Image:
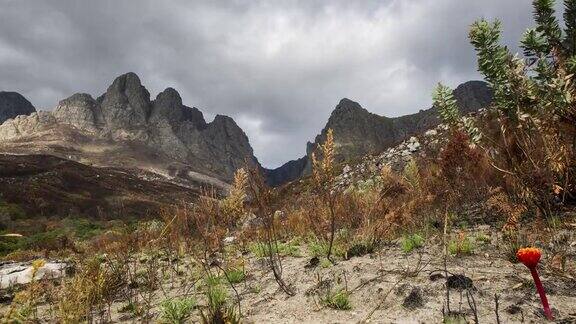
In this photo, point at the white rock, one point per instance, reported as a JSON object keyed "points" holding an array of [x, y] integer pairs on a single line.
{"points": [[405, 153], [21, 273], [347, 169], [431, 132], [229, 239], [413, 147]]}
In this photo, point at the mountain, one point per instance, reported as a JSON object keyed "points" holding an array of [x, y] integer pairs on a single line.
{"points": [[124, 127], [13, 104], [358, 132]]}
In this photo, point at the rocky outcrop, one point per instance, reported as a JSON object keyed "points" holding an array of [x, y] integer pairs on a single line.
{"points": [[13, 104], [365, 171], [168, 130], [358, 132], [81, 111]]}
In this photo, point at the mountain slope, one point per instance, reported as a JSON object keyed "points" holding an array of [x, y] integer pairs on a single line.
{"points": [[45, 185], [358, 132]]}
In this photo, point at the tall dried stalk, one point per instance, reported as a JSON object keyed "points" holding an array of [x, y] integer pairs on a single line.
{"points": [[324, 178], [264, 197]]}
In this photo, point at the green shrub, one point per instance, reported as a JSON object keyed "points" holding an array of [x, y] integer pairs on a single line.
{"points": [[339, 300], [359, 249], [318, 248], [462, 246], [235, 275], [483, 238], [212, 281], [411, 242], [218, 310], [325, 263], [216, 296], [454, 319], [177, 310], [82, 228], [261, 250]]}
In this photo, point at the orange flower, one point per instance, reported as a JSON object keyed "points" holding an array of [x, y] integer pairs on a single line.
{"points": [[529, 256]]}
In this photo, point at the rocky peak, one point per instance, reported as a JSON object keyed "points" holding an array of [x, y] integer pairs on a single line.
{"points": [[348, 106], [225, 130], [126, 103], [168, 104], [13, 104]]}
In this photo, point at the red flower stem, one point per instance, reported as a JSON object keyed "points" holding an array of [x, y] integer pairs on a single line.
{"points": [[541, 292]]}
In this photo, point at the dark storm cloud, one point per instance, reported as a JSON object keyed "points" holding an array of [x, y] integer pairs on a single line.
{"points": [[277, 67]]}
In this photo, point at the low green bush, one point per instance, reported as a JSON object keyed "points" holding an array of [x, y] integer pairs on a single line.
{"points": [[176, 310], [338, 300], [411, 242]]}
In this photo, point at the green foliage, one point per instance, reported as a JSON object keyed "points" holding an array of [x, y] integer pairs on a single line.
{"points": [[325, 263], [218, 310], [318, 248], [483, 238], [359, 249], [534, 104], [446, 104], [216, 296], [448, 109], [461, 246], [538, 83], [494, 61], [212, 281], [493, 58], [534, 43], [58, 238], [471, 130], [454, 319], [235, 275], [176, 310], [261, 250], [338, 300], [82, 228], [546, 21], [411, 242]]}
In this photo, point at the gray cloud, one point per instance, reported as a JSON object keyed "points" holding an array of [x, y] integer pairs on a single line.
{"points": [[277, 67]]}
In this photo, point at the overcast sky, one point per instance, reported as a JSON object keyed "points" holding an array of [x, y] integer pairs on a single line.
{"points": [[277, 67]]}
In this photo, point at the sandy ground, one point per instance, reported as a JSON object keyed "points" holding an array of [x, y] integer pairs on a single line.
{"points": [[389, 286]]}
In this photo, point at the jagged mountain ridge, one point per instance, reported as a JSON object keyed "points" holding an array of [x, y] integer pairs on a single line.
{"points": [[358, 132], [125, 124], [124, 127]]}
